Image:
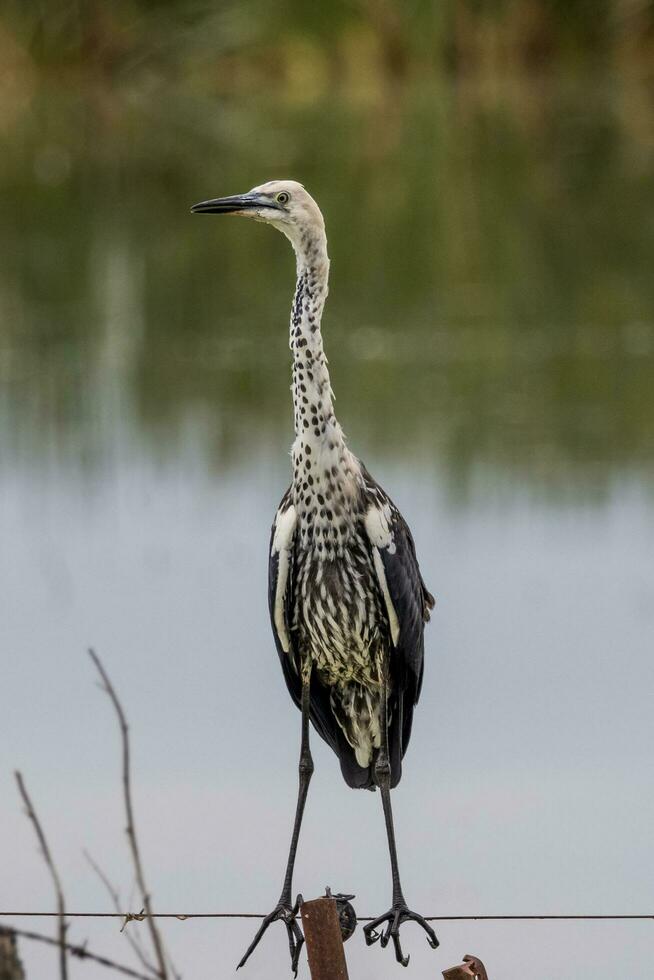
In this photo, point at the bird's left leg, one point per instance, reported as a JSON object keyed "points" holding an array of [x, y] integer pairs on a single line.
{"points": [[285, 910], [399, 911]]}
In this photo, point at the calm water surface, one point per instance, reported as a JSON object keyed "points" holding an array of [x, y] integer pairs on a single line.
{"points": [[491, 336]]}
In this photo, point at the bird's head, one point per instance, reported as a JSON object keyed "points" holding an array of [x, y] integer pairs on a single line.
{"points": [[282, 203]]}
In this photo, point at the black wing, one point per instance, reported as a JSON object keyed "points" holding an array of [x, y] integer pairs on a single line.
{"points": [[411, 602]]}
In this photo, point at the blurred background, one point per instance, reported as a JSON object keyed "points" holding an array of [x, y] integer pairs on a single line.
{"points": [[487, 176]]}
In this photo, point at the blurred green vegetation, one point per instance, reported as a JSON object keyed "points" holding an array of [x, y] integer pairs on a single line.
{"points": [[487, 175], [239, 44]]}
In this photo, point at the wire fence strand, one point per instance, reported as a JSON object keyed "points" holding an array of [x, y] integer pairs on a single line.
{"points": [[183, 916]]}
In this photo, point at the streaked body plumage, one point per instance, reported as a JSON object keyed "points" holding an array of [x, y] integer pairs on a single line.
{"points": [[338, 617]]}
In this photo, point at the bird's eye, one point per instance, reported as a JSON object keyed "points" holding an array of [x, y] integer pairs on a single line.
{"points": [[283, 197]]}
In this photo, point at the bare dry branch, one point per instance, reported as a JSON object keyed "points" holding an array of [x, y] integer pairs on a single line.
{"points": [[81, 952], [131, 828], [61, 905], [132, 938]]}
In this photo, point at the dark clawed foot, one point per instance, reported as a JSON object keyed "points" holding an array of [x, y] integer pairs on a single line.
{"points": [[287, 915], [395, 917]]}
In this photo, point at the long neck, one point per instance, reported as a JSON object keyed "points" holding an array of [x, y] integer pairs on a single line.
{"points": [[312, 394], [323, 467]]}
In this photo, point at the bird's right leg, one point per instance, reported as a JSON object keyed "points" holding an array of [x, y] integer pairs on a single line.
{"points": [[285, 910], [399, 911]]}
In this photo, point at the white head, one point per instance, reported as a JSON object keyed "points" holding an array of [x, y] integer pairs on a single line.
{"points": [[282, 203]]}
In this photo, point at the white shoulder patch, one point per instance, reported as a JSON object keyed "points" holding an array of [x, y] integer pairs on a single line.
{"points": [[281, 545], [377, 523], [284, 529], [378, 529]]}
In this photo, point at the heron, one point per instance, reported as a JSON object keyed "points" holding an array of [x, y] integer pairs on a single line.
{"points": [[347, 601]]}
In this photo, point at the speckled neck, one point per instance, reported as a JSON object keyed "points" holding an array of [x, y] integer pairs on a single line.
{"points": [[324, 470], [312, 394]]}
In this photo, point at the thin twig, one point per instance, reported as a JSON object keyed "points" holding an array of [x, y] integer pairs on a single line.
{"points": [[132, 938], [61, 905], [81, 952], [131, 828]]}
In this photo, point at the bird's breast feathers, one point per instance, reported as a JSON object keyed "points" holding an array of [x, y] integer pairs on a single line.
{"points": [[336, 577]]}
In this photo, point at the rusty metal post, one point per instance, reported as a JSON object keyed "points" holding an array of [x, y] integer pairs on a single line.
{"points": [[322, 933], [472, 967]]}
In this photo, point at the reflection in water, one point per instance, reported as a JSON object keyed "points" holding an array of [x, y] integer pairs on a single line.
{"points": [[492, 299]]}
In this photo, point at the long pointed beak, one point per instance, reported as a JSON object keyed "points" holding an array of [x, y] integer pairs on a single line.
{"points": [[231, 205]]}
